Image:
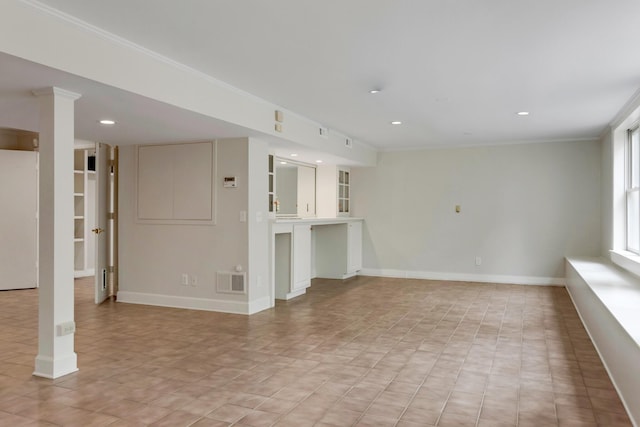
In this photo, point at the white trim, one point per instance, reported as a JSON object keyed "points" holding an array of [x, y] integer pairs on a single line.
{"points": [[191, 303], [260, 304], [294, 294], [629, 109], [626, 260], [486, 145], [464, 277], [56, 91], [84, 273], [47, 367]]}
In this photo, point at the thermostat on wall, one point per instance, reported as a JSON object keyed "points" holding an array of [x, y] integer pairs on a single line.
{"points": [[230, 182]]}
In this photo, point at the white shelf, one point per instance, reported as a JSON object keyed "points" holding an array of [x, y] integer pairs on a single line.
{"points": [[78, 217], [78, 240]]}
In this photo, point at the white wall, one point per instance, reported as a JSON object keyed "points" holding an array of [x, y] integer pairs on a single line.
{"points": [[153, 257], [607, 194], [18, 223], [523, 208], [258, 222]]}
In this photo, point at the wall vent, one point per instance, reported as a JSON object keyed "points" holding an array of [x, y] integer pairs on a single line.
{"points": [[324, 132], [231, 282], [348, 142]]}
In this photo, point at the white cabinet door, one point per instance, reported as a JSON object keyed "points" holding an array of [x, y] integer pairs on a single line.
{"points": [[306, 192], [354, 242], [301, 257]]}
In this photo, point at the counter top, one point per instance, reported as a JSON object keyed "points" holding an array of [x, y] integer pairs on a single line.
{"points": [[317, 221]]}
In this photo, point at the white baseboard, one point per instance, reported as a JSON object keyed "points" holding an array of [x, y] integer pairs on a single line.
{"points": [[464, 277], [48, 367], [84, 273], [260, 304], [224, 306]]}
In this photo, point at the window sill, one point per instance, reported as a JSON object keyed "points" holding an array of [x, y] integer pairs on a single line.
{"points": [[626, 260]]}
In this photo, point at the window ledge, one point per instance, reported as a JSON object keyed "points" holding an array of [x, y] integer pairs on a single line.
{"points": [[626, 260]]}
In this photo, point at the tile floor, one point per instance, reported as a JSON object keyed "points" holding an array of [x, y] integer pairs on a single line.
{"points": [[366, 352]]}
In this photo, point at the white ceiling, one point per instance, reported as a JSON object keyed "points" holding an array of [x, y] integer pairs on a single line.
{"points": [[455, 72]]}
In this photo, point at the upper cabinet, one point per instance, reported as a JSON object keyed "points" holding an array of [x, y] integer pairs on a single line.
{"points": [[343, 192], [272, 186], [333, 191]]}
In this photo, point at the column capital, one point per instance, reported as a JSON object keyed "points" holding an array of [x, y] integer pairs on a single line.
{"points": [[57, 92]]}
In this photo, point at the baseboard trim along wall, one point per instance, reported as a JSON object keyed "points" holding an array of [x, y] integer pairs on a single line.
{"points": [[464, 277], [233, 307]]}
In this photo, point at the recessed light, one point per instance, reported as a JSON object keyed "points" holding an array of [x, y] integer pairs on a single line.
{"points": [[523, 113], [107, 122], [396, 122], [283, 163], [294, 155], [318, 161], [374, 91]]}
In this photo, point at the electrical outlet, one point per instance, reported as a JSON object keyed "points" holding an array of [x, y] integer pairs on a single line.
{"points": [[478, 260], [194, 280], [66, 328], [185, 279]]}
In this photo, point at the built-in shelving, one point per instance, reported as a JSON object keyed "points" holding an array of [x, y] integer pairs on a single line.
{"points": [[272, 184], [82, 181], [343, 192]]}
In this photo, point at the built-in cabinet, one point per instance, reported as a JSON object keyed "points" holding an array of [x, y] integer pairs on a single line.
{"points": [[84, 211], [301, 257], [272, 186], [354, 245], [343, 192], [309, 248], [333, 191], [338, 249]]}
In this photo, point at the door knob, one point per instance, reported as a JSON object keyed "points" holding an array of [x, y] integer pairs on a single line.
{"points": [[98, 230]]}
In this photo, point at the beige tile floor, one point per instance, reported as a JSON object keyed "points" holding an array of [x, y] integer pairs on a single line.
{"points": [[365, 352]]}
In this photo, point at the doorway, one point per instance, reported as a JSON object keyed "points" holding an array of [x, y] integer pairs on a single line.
{"points": [[95, 227]]}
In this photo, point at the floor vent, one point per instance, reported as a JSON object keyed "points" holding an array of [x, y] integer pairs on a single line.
{"points": [[230, 282]]}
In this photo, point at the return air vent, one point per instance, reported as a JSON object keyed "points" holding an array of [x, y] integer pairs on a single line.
{"points": [[230, 282]]}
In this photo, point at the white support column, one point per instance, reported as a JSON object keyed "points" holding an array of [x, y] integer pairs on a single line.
{"points": [[56, 327]]}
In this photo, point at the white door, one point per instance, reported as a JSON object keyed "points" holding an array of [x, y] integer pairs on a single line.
{"points": [[354, 240], [306, 192], [100, 228], [301, 257], [18, 223]]}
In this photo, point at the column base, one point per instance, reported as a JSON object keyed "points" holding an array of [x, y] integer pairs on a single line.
{"points": [[47, 367]]}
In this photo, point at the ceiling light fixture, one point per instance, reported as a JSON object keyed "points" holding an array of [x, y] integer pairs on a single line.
{"points": [[294, 155], [107, 122], [523, 113], [374, 91], [396, 122], [283, 163], [318, 161]]}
